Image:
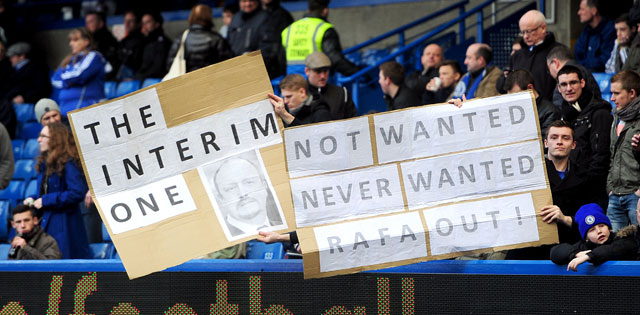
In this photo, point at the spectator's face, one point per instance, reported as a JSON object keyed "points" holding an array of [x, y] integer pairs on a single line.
{"points": [[24, 222], [472, 60], [148, 24], [620, 96], [448, 76], [50, 117], [623, 33], [15, 59], [598, 234], [43, 139], [317, 77], [77, 43], [585, 12], [266, 2], [242, 190], [3, 51], [129, 22], [532, 32], [92, 23], [293, 98], [431, 56], [560, 142], [248, 6], [554, 66], [227, 16], [384, 82], [570, 87]]}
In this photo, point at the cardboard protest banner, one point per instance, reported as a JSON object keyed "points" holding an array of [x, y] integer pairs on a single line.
{"points": [[187, 166], [438, 182]]}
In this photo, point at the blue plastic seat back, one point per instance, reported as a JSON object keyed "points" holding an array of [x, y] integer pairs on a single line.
{"points": [[4, 251], [31, 149], [150, 82], [105, 234], [101, 250], [29, 130], [126, 87], [24, 112], [110, 89], [32, 188], [25, 170], [604, 82], [14, 192], [260, 250], [18, 147], [5, 213]]}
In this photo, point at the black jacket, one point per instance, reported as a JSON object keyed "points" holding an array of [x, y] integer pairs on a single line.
{"points": [[39, 246], [590, 83], [154, 56], [417, 81], [340, 103], [440, 96], [591, 126], [547, 113], [280, 17], [615, 248], [203, 47], [31, 81], [107, 45], [317, 111], [130, 50], [403, 99], [332, 48], [255, 31], [535, 61]]}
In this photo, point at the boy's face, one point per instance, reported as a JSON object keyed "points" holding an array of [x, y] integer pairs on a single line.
{"points": [[598, 234]]}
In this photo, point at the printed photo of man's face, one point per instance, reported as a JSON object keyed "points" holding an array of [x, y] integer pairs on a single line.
{"points": [[243, 193]]}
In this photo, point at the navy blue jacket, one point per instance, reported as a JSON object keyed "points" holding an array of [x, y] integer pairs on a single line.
{"points": [[81, 81], [594, 45]]}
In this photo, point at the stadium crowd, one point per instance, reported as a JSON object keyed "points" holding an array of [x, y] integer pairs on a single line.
{"points": [[592, 150]]}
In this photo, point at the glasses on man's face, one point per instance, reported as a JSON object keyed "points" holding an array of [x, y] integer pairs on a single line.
{"points": [[564, 85], [529, 32]]}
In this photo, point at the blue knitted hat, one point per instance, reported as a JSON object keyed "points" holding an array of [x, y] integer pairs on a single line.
{"points": [[590, 215]]}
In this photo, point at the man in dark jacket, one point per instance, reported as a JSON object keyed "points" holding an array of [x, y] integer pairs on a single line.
{"points": [[279, 16], [317, 69], [31, 242], [591, 119], [532, 57], [251, 29], [297, 107], [298, 39], [131, 47], [623, 181], [106, 44], [595, 43], [391, 81], [560, 56], [156, 47], [431, 58], [29, 81]]}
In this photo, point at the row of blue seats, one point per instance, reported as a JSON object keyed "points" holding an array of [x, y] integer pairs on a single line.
{"points": [[25, 149], [114, 89]]}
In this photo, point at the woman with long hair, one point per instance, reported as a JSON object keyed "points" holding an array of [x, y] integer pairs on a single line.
{"points": [[80, 76], [203, 46], [62, 187]]}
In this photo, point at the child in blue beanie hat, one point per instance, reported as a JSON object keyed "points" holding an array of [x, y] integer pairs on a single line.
{"points": [[599, 244]]}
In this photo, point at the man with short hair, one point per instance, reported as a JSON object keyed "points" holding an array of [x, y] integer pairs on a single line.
{"points": [[537, 44], [130, 47], [560, 56], [47, 112], [594, 45], [30, 242], [391, 81], [440, 89], [625, 31], [106, 43], [156, 47], [521, 80], [591, 119], [297, 107], [431, 58], [481, 79], [623, 180], [317, 69], [314, 33]]}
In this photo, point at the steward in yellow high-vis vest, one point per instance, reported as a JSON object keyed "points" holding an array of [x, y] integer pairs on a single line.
{"points": [[304, 37]]}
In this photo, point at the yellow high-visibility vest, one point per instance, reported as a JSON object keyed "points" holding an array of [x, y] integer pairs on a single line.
{"points": [[303, 37]]}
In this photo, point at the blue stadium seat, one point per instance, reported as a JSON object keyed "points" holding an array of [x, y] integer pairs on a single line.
{"points": [[105, 234], [29, 130], [25, 170], [31, 149], [14, 192], [4, 251], [126, 87], [24, 112], [18, 147], [110, 89], [607, 97], [150, 82], [5, 208], [101, 250], [260, 250], [604, 81], [32, 188]]}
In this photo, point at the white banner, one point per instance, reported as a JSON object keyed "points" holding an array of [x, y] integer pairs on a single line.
{"points": [[481, 224], [346, 195], [474, 174], [372, 241], [434, 130], [338, 145]]}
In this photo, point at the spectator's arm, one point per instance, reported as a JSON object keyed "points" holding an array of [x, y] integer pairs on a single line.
{"points": [[349, 106], [562, 254], [332, 48], [51, 251], [607, 40], [6, 158], [600, 139], [91, 66], [172, 52], [620, 248]]}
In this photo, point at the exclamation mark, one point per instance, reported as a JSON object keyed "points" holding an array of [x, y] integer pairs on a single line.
{"points": [[519, 216]]}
